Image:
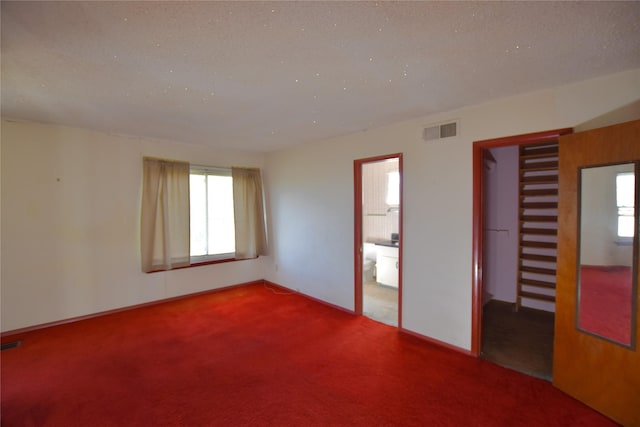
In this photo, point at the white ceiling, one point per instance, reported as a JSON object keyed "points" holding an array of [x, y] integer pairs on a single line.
{"points": [[267, 75]]}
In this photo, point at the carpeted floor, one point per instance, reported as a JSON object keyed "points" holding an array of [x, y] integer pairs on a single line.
{"points": [[249, 356], [521, 340], [606, 295]]}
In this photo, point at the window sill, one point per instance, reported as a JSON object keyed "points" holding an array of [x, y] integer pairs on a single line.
{"points": [[199, 264], [624, 242]]}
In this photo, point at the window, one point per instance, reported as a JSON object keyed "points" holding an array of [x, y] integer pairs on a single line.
{"points": [[212, 226], [199, 215], [393, 188], [625, 195]]}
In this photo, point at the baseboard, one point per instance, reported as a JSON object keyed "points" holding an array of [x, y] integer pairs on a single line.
{"points": [[119, 310], [255, 282], [337, 307], [400, 329], [438, 343]]}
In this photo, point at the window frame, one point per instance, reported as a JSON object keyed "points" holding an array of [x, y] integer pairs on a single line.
{"points": [[623, 239]]}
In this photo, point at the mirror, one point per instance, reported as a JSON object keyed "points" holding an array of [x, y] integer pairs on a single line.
{"points": [[607, 261]]}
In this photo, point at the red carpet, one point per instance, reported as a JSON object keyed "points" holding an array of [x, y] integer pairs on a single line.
{"points": [[605, 301], [250, 357]]}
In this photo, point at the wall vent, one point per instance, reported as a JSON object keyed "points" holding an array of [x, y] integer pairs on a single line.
{"points": [[12, 344], [440, 131]]}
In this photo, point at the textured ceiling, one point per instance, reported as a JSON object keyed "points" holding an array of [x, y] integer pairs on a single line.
{"points": [[266, 75]]}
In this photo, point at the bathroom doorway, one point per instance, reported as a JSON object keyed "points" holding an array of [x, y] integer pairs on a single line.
{"points": [[378, 238]]}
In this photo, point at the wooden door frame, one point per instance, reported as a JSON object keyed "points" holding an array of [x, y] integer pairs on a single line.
{"points": [[479, 148], [358, 234]]}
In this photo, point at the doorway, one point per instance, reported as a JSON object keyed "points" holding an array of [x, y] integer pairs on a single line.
{"points": [[585, 362], [513, 313], [378, 238]]}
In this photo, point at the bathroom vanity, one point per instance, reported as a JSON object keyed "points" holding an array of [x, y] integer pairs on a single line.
{"points": [[387, 264]]}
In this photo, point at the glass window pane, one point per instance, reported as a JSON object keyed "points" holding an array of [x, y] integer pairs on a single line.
{"points": [[625, 183], [198, 214], [625, 226], [221, 237], [625, 199], [393, 188]]}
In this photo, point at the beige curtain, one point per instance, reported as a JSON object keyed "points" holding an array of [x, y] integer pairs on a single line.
{"points": [[165, 237], [248, 206]]}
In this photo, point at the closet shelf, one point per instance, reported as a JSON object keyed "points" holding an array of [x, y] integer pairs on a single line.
{"points": [[538, 184]]}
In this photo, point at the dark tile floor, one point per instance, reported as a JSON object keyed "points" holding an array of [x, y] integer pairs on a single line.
{"points": [[522, 340]]}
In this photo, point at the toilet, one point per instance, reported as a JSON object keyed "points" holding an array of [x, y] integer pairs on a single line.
{"points": [[368, 262]]}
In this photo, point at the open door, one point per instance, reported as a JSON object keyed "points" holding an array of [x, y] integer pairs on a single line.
{"points": [[597, 331], [383, 234]]}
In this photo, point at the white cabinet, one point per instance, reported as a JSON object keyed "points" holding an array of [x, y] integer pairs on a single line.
{"points": [[387, 265]]}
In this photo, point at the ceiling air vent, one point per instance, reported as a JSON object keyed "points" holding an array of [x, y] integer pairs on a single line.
{"points": [[440, 131]]}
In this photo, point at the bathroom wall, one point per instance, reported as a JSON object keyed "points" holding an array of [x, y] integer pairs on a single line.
{"points": [[378, 221]]}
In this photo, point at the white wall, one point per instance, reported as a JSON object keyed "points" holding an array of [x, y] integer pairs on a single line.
{"points": [[71, 247], [311, 201], [70, 224]]}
